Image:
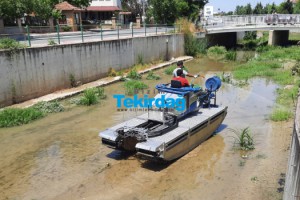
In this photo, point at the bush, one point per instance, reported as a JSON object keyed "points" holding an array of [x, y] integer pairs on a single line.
{"points": [[230, 55], [192, 46], [249, 44], [100, 92], [152, 76], [280, 114], [72, 80], [132, 86], [250, 35], [112, 72], [186, 27], [89, 98], [15, 116], [217, 52], [169, 70], [10, 44], [133, 74], [66, 28], [49, 107], [51, 42], [140, 59]]}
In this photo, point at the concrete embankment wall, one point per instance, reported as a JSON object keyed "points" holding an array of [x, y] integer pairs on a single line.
{"points": [[34, 72], [292, 183]]}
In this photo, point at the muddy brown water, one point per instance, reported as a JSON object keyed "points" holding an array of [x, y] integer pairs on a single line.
{"points": [[61, 156]]}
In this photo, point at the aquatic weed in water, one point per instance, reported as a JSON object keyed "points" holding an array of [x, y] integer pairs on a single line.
{"points": [[244, 139], [49, 107], [89, 98], [152, 76], [133, 86], [17, 116], [133, 74]]}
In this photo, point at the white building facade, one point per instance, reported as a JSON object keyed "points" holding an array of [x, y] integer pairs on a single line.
{"points": [[208, 12], [102, 10], [116, 3]]}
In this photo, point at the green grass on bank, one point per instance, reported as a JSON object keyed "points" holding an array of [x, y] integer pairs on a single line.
{"points": [[10, 44], [16, 116], [281, 114], [270, 64], [281, 53], [269, 69], [294, 36]]}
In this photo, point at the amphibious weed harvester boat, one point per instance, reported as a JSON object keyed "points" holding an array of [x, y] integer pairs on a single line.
{"points": [[166, 134]]}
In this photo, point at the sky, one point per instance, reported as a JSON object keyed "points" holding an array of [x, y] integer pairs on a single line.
{"points": [[229, 5]]}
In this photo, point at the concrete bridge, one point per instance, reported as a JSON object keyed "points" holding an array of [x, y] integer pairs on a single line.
{"points": [[224, 30]]}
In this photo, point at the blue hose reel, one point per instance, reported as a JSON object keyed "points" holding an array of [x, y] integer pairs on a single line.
{"points": [[213, 84]]}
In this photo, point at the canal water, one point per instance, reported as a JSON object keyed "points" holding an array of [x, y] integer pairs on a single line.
{"points": [[61, 156]]}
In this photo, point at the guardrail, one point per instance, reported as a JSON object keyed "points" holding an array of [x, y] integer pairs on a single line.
{"points": [[248, 19], [292, 182], [63, 34]]}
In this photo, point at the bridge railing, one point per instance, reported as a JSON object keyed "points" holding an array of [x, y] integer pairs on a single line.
{"points": [[64, 34], [244, 20]]}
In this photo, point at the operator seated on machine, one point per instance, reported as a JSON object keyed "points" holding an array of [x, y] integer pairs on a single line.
{"points": [[181, 78]]}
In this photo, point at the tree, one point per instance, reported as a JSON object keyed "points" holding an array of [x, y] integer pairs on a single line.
{"points": [[258, 9], [80, 3], [43, 8], [167, 11], [285, 7], [270, 8], [248, 9], [133, 6], [229, 13], [239, 10], [12, 9], [194, 7], [296, 9], [163, 11]]}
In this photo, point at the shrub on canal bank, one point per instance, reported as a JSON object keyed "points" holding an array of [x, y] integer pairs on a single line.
{"points": [[15, 116], [169, 70], [220, 53], [91, 96], [133, 74], [280, 114], [192, 45], [230, 55], [18, 116], [49, 107], [217, 52]]}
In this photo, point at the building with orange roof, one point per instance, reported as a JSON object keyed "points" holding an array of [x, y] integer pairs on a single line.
{"points": [[71, 15]]}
